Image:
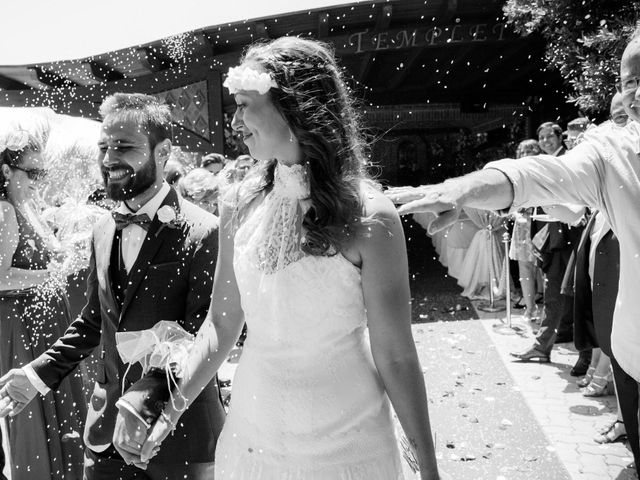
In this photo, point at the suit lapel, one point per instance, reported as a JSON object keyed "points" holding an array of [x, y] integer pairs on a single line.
{"points": [[152, 243], [104, 235]]}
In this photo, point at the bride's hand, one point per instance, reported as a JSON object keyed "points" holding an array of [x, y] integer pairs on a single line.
{"points": [[158, 432]]}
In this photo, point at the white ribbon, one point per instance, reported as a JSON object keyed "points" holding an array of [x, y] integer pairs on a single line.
{"points": [[163, 346]]}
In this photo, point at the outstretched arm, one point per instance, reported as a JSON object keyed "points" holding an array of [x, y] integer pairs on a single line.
{"points": [[487, 189], [385, 284]]}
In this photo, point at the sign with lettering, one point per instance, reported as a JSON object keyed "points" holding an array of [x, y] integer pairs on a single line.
{"points": [[431, 36]]}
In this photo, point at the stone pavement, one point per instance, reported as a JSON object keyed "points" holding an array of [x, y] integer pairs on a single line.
{"points": [[568, 419]]}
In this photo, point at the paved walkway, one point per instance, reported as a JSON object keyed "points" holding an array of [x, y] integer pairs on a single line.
{"points": [[568, 419]]}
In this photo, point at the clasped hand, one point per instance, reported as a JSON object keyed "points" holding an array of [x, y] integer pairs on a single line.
{"points": [[16, 391], [442, 199], [136, 440]]}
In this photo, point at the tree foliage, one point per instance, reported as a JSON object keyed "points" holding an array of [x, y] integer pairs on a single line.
{"points": [[585, 40]]}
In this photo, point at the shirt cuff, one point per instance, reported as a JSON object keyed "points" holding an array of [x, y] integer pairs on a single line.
{"points": [[121, 403], [506, 167], [35, 379]]}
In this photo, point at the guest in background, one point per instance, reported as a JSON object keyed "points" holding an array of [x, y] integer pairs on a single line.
{"points": [[557, 320], [214, 162], [521, 248], [200, 186], [244, 163], [575, 129], [34, 312]]}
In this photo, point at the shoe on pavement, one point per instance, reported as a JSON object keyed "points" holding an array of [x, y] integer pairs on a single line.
{"points": [[586, 380], [615, 431], [531, 354], [582, 365]]}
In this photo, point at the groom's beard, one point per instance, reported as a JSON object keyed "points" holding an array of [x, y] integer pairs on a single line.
{"points": [[132, 185]]}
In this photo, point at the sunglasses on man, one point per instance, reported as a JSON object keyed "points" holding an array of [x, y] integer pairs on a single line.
{"points": [[35, 174]]}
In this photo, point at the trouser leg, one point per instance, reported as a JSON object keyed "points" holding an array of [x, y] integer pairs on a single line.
{"points": [[628, 392]]}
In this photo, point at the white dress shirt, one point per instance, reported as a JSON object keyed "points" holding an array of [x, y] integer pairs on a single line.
{"points": [[133, 235], [132, 238], [603, 172]]}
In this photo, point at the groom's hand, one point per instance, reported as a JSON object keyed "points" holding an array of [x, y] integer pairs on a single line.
{"points": [[159, 431], [16, 391], [129, 435]]}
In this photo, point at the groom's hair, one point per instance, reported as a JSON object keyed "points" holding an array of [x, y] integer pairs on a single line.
{"points": [[145, 110]]}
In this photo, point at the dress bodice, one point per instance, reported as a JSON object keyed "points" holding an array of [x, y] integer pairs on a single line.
{"points": [[31, 252], [287, 295]]}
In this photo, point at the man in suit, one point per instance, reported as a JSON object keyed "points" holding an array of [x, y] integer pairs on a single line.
{"points": [[558, 311], [152, 260]]}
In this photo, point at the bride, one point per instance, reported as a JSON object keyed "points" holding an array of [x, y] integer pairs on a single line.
{"points": [[313, 258]]}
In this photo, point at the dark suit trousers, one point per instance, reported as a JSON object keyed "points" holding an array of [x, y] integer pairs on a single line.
{"points": [[627, 389], [109, 465], [554, 302]]}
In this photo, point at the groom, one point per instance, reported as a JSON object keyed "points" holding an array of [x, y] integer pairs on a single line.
{"points": [[153, 260]]}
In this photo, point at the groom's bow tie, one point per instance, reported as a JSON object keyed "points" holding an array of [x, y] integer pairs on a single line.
{"points": [[125, 219]]}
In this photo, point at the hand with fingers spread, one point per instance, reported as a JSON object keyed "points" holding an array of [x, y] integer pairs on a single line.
{"points": [[16, 391], [487, 189], [442, 199]]}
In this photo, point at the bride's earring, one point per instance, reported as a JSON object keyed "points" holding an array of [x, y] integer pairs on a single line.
{"points": [[290, 136]]}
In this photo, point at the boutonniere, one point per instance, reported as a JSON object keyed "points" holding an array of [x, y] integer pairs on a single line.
{"points": [[170, 218]]}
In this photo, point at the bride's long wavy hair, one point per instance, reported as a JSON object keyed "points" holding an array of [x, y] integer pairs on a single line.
{"points": [[315, 102]]}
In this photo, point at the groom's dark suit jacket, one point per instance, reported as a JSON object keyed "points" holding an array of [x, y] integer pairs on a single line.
{"points": [[171, 279]]}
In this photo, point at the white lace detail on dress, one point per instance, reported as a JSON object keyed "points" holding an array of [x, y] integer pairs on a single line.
{"points": [[280, 225]]}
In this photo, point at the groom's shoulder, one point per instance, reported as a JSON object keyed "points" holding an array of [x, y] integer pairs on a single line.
{"points": [[201, 223]]}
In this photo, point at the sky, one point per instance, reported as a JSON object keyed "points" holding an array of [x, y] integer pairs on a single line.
{"points": [[38, 31]]}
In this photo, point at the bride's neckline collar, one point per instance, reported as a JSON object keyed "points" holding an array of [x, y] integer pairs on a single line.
{"points": [[291, 181]]}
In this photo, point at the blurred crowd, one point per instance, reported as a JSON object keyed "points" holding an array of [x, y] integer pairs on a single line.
{"points": [[204, 184]]}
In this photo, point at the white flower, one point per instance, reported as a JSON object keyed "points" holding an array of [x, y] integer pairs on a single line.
{"points": [[247, 78], [14, 141], [167, 214]]}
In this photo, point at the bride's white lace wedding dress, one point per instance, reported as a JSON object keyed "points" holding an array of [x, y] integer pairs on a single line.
{"points": [[307, 400]]}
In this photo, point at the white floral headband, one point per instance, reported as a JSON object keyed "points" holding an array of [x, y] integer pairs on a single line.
{"points": [[247, 78], [14, 141]]}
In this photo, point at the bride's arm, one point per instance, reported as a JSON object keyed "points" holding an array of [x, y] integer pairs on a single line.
{"points": [[385, 284], [216, 337]]}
